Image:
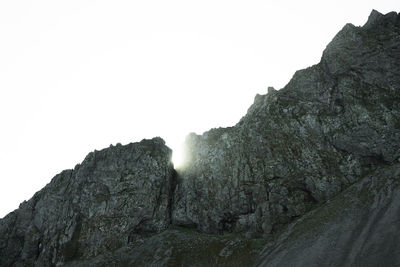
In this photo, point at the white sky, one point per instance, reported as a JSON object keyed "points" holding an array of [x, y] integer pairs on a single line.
{"points": [[80, 75]]}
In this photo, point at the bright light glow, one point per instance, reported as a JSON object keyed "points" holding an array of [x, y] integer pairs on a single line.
{"points": [[80, 75], [178, 156]]}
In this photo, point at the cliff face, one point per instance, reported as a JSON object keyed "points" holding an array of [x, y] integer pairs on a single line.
{"points": [[333, 124], [309, 176], [114, 196]]}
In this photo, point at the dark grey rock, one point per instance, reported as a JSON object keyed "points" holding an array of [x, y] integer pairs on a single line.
{"points": [[181, 247], [111, 199], [331, 125], [308, 177], [359, 227]]}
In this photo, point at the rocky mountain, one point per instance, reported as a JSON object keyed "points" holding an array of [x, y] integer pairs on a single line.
{"points": [[308, 177], [100, 205]]}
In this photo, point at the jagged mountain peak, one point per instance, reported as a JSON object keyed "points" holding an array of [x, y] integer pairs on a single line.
{"points": [[377, 19]]}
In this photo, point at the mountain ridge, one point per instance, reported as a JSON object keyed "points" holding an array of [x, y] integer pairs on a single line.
{"points": [[244, 190]]}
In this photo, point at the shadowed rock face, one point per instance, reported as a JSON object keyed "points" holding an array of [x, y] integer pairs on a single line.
{"points": [[331, 125], [113, 197], [359, 227], [308, 177]]}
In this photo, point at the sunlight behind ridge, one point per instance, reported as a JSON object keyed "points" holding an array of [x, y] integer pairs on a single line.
{"points": [[178, 156]]}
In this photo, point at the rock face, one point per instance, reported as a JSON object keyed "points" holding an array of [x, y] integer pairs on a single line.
{"points": [[359, 227], [334, 123], [310, 176], [114, 196]]}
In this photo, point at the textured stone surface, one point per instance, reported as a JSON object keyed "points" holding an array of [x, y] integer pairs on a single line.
{"points": [[113, 197], [181, 247], [359, 227], [331, 125], [308, 177]]}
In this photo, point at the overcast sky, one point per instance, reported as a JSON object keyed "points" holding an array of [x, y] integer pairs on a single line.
{"points": [[80, 75]]}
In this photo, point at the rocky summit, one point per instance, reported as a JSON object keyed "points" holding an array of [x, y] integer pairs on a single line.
{"points": [[310, 176]]}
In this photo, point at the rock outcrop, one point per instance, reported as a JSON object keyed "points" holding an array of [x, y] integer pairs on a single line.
{"points": [[112, 198], [308, 177]]}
